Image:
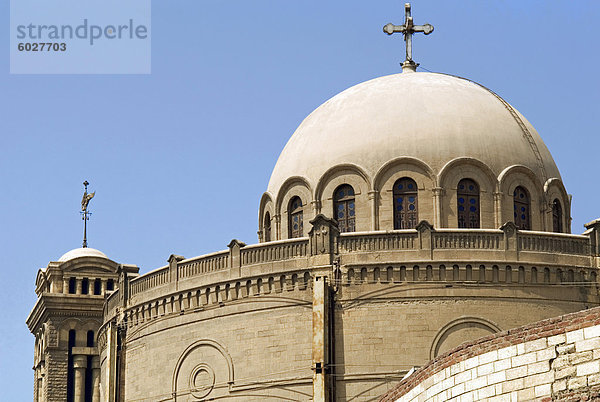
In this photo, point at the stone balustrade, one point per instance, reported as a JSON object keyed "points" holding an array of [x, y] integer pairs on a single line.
{"points": [[504, 255]]}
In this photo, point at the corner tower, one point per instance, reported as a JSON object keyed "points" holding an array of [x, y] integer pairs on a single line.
{"points": [[65, 322]]}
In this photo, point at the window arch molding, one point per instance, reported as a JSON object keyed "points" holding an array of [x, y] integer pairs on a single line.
{"points": [[293, 187], [468, 204], [405, 203], [557, 216], [295, 217], [343, 175], [516, 176], [266, 205], [344, 208], [450, 176], [555, 190]]}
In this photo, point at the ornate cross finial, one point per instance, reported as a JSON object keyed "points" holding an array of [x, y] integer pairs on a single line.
{"points": [[85, 215], [408, 29]]}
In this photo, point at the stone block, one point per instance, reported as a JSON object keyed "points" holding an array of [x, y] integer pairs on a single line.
{"points": [[488, 357], [521, 360], [471, 362], [591, 332], [516, 372], [577, 382], [486, 392], [581, 357], [526, 394], [557, 339], [496, 377], [559, 385], [507, 352], [502, 364], [457, 390], [539, 367], [545, 354], [568, 371], [593, 379], [539, 379], [533, 346], [512, 385], [574, 336], [588, 368], [587, 344], [485, 369], [563, 349], [462, 377]]}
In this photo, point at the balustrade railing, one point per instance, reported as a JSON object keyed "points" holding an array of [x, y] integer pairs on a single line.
{"points": [[377, 241], [469, 239], [207, 263], [554, 243], [442, 239], [150, 280], [274, 251]]}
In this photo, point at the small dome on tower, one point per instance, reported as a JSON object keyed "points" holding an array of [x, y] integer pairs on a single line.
{"points": [[81, 252]]}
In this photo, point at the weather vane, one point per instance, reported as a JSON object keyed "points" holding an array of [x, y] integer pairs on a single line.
{"points": [[85, 215], [408, 29]]}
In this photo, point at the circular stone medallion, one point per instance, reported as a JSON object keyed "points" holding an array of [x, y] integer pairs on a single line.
{"points": [[202, 380]]}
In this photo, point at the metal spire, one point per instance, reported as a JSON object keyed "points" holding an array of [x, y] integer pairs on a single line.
{"points": [[408, 29], [85, 215]]}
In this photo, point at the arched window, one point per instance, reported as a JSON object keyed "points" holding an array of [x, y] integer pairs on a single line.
{"points": [[557, 218], [467, 198], [267, 227], [344, 208], [295, 223], [406, 213], [522, 208]]}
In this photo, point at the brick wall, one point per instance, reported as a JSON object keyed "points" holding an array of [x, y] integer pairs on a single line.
{"points": [[557, 358]]}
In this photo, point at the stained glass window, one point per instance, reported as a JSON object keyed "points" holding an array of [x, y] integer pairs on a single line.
{"points": [[522, 208], [267, 227], [557, 225], [406, 213], [344, 209], [467, 199], [295, 224]]}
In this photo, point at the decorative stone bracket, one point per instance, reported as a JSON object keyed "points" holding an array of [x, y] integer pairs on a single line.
{"points": [[323, 236], [593, 230], [235, 260]]}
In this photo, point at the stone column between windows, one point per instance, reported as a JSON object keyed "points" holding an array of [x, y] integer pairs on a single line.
{"points": [[79, 366], [316, 207], [373, 200], [96, 379], [437, 206], [278, 226], [65, 285], [103, 286], [498, 209], [78, 285]]}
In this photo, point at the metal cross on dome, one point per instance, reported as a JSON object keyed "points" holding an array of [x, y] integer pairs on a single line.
{"points": [[408, 29]]}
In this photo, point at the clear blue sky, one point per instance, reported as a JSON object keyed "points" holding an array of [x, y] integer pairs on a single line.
{"points": [[179, 158]]}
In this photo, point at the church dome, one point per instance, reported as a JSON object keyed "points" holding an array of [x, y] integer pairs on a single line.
{"points": [[432, 117], [81, 252]]}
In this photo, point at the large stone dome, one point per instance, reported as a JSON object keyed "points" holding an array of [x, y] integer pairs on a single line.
{"points": [[428, 116]]}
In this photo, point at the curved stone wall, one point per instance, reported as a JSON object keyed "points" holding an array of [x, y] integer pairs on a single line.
{"points": [[238, 323], [554, 359]]}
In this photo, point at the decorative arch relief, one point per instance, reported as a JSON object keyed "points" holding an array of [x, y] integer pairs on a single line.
{"points": [[204, 370], [460, 330]]}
